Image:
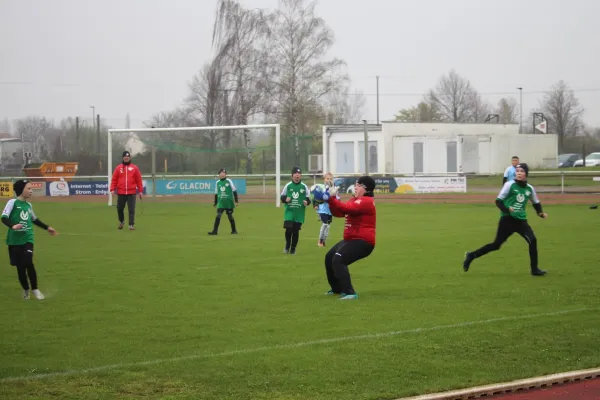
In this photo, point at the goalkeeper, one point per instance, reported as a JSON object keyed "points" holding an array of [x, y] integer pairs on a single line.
{"points": [[225, 196], [359, 235]]}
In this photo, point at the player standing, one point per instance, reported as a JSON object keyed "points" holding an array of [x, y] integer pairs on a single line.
{"points": [[125, 180], [512, 202], [19, 217], [296, 196], [324, 213], [509, 173], [359, 235], [226, 199]]}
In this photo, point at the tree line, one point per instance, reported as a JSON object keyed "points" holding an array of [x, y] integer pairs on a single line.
{"points": [[454, 99]]}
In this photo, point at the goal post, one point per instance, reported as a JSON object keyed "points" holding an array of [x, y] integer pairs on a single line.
{"points": [[142, 131]]}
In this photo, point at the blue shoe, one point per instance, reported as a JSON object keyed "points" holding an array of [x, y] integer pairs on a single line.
{"points": [[349, 297], [330, 293]]}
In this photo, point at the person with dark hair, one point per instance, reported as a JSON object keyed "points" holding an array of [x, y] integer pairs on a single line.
{"points": [[359, 235], [512, 202], [226, 199], [126, 179], [509, 173], [296, 197], [19, 217]]}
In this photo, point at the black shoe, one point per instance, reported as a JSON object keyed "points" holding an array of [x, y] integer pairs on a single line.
{"points": [[538, 272], [468, 260], [293, 251], [234, 232], [212, 233]]}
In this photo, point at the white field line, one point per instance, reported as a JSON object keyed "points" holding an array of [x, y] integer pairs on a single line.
{"points": [[369, 336]]}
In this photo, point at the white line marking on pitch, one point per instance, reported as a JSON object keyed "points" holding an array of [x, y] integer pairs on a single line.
{"points": [[286, 346]]}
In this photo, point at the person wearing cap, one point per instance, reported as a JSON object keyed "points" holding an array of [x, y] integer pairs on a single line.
{"points": [[512, 202], [359, 235], [226, 199], [19, 217], [296, 197], [126, 179]]}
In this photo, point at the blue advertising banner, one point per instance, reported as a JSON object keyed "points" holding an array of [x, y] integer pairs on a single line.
{"points": [[79, 188], [193, 186]]}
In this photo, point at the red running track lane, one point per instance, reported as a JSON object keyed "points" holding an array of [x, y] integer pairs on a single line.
{"points": [[582, 390]]}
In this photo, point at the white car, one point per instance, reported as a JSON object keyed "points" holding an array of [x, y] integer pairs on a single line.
{"points": [[591, 160]]}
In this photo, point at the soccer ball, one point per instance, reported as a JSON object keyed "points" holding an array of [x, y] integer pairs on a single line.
{"points": [[316, 193]]}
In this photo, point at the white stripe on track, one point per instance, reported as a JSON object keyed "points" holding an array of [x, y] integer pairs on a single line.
{"points": [[286, 346]]}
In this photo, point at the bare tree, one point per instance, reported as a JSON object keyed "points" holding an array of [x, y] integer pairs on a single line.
{"points": [[422, 112], [563, 111], [299, 74], [507, 111], [240, 36], [342, 106], [5, 127], [456, 99]]}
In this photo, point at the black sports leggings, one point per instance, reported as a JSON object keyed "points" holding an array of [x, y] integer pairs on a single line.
{"points": [[337, 260]]}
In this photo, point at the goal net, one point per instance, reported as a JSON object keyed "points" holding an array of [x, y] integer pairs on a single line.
{"points": [[185, 161]]}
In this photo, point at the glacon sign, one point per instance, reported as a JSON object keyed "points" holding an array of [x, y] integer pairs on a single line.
{"points": [[193, 186]]}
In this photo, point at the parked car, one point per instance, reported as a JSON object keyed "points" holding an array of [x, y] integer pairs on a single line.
{"points": [[568, 160], [592, 160]]}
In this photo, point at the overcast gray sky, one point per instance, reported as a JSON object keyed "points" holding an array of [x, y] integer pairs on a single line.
{"points": [[58, 57]]}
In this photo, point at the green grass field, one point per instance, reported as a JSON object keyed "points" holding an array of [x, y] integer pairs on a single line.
{"points": [[167, 312]]}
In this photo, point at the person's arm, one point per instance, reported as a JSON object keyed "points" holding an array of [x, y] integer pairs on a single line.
{"points": [[307, 192], [6, 213], [234, 190], [501, 196], [535, 201], [356, 207], [138, 180], [505, 178], [113, 181], [283, 196]]}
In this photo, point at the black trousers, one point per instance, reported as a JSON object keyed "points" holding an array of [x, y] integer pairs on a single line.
{"points": [[229, 212], [21, 256], [292, 234], [506, 227], [122, 200], [337, 260]]}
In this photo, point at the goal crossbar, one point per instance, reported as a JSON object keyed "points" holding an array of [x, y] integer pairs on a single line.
{"points": [[277, 128]]}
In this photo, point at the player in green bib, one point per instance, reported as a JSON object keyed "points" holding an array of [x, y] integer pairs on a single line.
{"points": [[512, 201], [19, 218], [226, 199], [296, 196]]}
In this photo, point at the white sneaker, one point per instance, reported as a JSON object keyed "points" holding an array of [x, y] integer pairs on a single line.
{"points": [[38, 295], [25, 294]]}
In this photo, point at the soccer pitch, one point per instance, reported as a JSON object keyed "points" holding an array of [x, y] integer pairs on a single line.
{"points": [[169, 312]]}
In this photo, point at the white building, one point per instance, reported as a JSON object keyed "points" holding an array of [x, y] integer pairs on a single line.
{"points": [[11, 155], [434, 148]]}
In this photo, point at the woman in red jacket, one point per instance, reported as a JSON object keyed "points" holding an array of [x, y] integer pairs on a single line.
{"points": [[359, 236], [125, 181]]}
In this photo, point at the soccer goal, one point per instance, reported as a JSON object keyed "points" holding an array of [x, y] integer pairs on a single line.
{"points": [[185, 160]]}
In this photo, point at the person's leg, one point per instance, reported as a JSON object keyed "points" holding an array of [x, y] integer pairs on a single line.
{"points": [[506, 227], [295, 236], [31, 272], [289, 228], [131, 200], [348, 253], [331, 278], [16, 254], [121, 200], [527, 233], [229, 212], [325, 221], [217, 221]]}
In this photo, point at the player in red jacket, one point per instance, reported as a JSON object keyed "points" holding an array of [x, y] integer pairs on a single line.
{"points": [[125, 181], [359, 236]]}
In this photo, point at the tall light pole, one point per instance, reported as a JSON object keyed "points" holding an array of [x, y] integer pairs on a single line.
{"points": [[93, 116], [521, 109]]}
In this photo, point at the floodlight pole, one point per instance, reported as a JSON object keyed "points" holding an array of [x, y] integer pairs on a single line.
{"points": [[366, 147]]}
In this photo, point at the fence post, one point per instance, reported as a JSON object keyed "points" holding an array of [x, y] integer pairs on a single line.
{"points": [[264, 184], [562, 183]]}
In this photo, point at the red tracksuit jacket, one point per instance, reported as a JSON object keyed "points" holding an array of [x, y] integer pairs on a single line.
{"points": [[126, 179], [361, 217]]}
